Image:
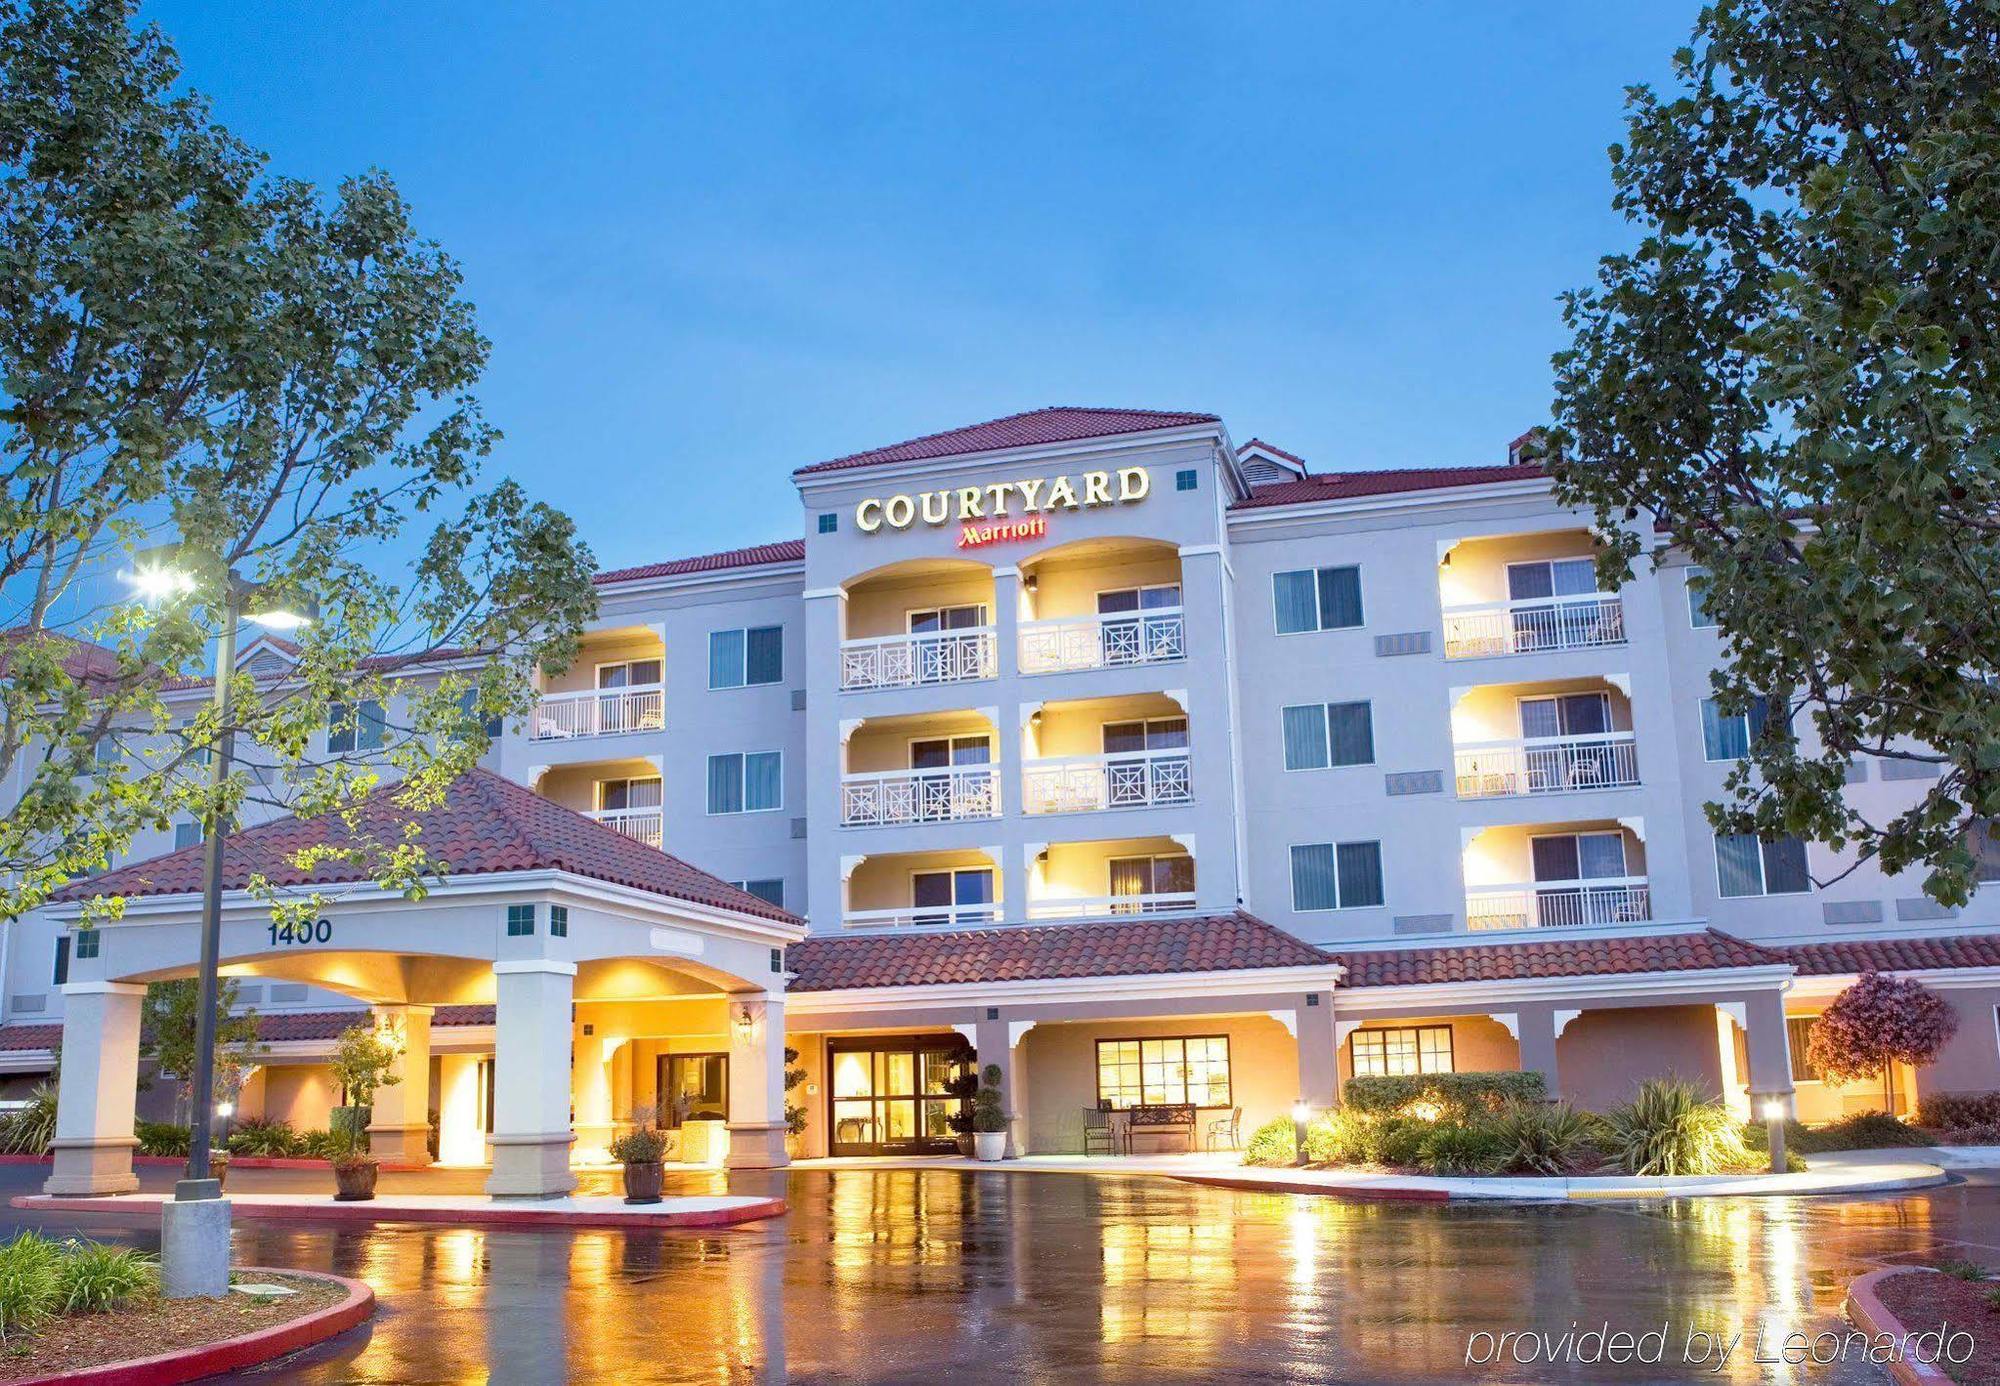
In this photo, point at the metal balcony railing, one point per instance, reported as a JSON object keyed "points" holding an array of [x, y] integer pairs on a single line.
{"points": [[903, 661], [1102, 642], [641, 823], [1528, 627], [1559, 904], [923, 916], [1126, 779], [1109, 906], [1546, 765], [880, 797], [598, 712]]}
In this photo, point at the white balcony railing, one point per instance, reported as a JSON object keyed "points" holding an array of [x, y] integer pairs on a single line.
{"points": [[1526, 627], [903, 661], [598, 712], [919, 796], [1547, 765], [1102, 642], [641, 823], [1559, 904], [923, 916], [1127, 779], [1107, 906]]}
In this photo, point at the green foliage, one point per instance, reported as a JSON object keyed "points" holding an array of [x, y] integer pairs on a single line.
{"points": [[988, 1112], [319, 1145], [32, 1129], [1955, 1111], [279, 378], [93, 1279], [642, 1145], [1343, 1136], [1547, 1138], [29, 1283], [167, 1029], [1670, 1128], [162, 1138], [255, 1136], [1399, 1141], [1450, 1094], [1273, 1143], [1463, 1148], [364, 1059], [1859, 1131], [1963, 1270], [795, 1112], [1792, 368]]}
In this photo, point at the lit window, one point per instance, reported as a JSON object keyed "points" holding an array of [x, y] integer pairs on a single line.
{"points": [[745, 783], [1336, 876], [1399, 1051], [1798, 1029], [1317, 599], [1172, 1070], [1745, 865], [520, 921]]}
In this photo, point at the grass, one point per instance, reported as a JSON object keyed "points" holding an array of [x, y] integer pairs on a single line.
{"points": [[41, 1278]]}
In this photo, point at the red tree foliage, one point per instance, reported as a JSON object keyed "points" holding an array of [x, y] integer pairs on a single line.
{"points": [[1878, 1019]]}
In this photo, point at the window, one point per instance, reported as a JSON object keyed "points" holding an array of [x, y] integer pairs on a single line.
{"points": [[629, 673], [1697, 579], [1117, 601], [1149, 876], [1169, 1070], [61, 973], [1567, 714], [520, 921], [1187, 479], [1320, 735], [104, 750], [1550, 578], [1148, 734], [771, 891], [1578, 856], [1336, 876], [1982, 839], [468, 705], [943, 752], [737, 658], [1405, 1049], [952, 891], [1798, 1028], [87, 941], [1318, 599], [829, 522], [930, 619], [358, 729], [692, 1085], [748, 783], [614, 795], [1746, 866], [558, 921], [186, 835], [1729, 736]]}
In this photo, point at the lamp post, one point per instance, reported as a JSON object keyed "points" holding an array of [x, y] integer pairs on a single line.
{"points": [[1301, 1116], [1774, 1132]]}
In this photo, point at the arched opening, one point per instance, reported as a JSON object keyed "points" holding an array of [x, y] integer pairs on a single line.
{"points": [[922, 621], [1101, 602]]}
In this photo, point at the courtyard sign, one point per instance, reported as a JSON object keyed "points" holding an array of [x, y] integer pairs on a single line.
{"points": [[985, 514]]}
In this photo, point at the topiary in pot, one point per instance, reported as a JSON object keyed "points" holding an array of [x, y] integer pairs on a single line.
{"points": [[641, 1150], [354, 1170], [364, 1060], [989, 1118]]}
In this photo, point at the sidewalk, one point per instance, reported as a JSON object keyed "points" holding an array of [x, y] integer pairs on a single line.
{"points": [[467, 1210]]}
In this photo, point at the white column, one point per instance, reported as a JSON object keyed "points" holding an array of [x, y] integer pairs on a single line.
{"points": [[592, 1086], [99, 1084], [757, 1082], [531, 1022], [399, 1127], [461, 1134]]}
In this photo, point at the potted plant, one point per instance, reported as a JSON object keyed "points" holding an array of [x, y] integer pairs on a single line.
{"points": [[354, 1169], [641, 1150], [364, 1059], [795, 1112], [963, 1087], [989, 1118]]}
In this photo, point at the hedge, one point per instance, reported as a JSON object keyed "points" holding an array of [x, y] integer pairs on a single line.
{"points": [[1955, 1111], [1453, 1092]]}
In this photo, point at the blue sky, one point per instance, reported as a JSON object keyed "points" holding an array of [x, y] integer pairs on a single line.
{"points": [[714, 243]]}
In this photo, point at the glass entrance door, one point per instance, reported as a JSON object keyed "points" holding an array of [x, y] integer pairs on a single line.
{"points": [[894, 1096]]}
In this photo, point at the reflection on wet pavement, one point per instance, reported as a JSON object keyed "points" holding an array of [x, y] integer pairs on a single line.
{"points": [[902, 1275]]}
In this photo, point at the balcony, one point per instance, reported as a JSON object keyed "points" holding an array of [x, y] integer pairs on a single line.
{"points": [[643, 824], [1068, 643], [1585, 621], [1112, 906], [885, 797], [1546, 765], [1091, 784], [1559, 904], [908, 661], [923, 916], [598, 712]]}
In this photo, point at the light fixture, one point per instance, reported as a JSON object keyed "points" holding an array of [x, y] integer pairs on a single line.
{"points": [[1774, 1110], [158, 582], [225, 1110], [279, 620], [1301, 1113], [746, 1024]]}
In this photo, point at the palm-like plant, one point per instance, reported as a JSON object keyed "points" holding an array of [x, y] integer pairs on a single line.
{"points": [[1670, 1127]]}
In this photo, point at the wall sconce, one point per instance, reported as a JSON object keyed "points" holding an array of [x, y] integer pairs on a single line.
{"points": [[746, 1024], [1032, 583]]}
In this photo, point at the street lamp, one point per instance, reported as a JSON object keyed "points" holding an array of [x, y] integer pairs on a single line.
{"points": [[1774, 1132], [1301, 1115]]}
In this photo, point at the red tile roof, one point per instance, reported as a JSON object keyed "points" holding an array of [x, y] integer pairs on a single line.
{"points": [[785, 551], [1570, 957], [1055, 424], [1895, 954], [271, 1026], [1110, 948], [83, 660], [1331, 486], [486, 824]]}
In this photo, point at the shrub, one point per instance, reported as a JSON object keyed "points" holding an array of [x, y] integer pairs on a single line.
{"points": [[1963, 1270], [1462, 1148], [1954, 1111], [1879, 1020], [1399, 1141], [1547, 1138], [1273, 1143], [643, 1145], [1669, 1127], [1874, 1131], [1971, 1135], [1452, 1094], [31, 1130], [1342, 1137], [161, 1138], [319, 1145], [988, 1115], [254, 1136], [93, 1279], [28, 1284]]}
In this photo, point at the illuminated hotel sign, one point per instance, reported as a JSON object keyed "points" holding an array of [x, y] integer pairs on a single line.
{"points": [[1006, 509]]}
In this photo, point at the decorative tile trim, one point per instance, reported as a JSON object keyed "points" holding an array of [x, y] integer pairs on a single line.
{"points": [[28, 1005], [1425, 923], [1857, 772], [798, 829], [1852, 911], [1409, 642], [1910, 770], [1413, 782], [798, 700], [287, 991], [1923, 908]]}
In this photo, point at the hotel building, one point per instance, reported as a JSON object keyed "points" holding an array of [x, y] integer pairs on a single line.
{"points": [[1149, 766]]}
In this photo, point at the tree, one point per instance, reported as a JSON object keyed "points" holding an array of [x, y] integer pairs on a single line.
{"points": [[364, 1059], [1794, 373], [279, 382], [167, 1028], [1880, 1020]]}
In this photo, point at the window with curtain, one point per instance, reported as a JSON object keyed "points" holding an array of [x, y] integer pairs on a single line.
{"points": [[363, 733], [747, 657], [1311, 599], [630, 673], [1566, 714], [1982, 839], [1729, 735], [1336, 876], [1151, 876], [747, 783], [1577, 856], [1322, 735], [629, 793], [1746, 865], [1798, 1029], [1400, 1050], [1698, 608], [1170, 1070], [1551, 577]]}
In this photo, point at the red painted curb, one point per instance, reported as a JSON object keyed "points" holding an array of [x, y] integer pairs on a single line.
{"points": [[1871, 1315], [235, 1162], [190, 1364], [1356, 1191], [18, 1159], [497, 1216]]}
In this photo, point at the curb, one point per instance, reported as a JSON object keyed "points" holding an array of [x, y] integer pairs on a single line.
{"points": [[1289, 1186], [1871, 1315], [253, 1349], [1637, 1194], [235, 1162], [497, 1216]]}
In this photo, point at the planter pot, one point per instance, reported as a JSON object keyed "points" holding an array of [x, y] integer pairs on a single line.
{"points": [[989, 1145], [218, 1169], [354, 1183], [963, 1140], [643, 1181], [795, 1146]]}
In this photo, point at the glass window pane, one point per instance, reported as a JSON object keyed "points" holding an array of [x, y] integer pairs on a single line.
{"points": [[1298, 604], [369, 734], [973, 887], [1351, 734], [761, 781], [1584, 714], [1174, 875], [764, 661], [1110, 603], [1540, 717], [725, 659], [1120, 737], [725, 784], [930, 888], [1305, 737], [1785, 867], [1697, 607], [1528, 582], [1600, 855], [1365, 1050], [1360, 874], [1313, 885], [1131, 876], [1339, 597], [1738, 864], [1573, 577], [1157, 598], [1722, 737], [1553, 858], [1166, 733]]}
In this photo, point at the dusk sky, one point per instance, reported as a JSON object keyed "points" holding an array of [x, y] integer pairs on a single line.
{"points": [[712, 244]]}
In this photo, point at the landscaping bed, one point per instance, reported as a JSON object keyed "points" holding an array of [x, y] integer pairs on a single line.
{"points": [[1924, 1303]]}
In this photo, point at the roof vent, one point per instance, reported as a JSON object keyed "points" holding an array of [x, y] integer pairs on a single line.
{"points": [[1526, 450], [1264, 465]]}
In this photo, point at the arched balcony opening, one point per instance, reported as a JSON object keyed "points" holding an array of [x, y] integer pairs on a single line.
{"points": [[928, 768], [924, 621], [1101, 603], [1521, 594], [1557, 875]]}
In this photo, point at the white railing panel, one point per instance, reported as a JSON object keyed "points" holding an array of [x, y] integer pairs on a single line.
{"points": [[1102, 642], [1528, 627], [1108, 906], [904, 661], [919, 796], [1547, 765], [923, 916], [598, 712], [1559, 904], [641, 823], [1088, 784]]}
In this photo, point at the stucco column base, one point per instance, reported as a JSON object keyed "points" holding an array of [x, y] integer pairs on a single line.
{"points": [[757, 1145], [401, 1145], [532, 1166], [92, 1166], [194, 1248]]}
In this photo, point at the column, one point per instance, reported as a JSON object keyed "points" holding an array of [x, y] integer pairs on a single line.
{"points": [[1538, 1032], [998, 1043], [531, 1134], [826, 626], [399, 1127], [757, 1082], [99, 1085], [1319, 1056], [1208, 701], [461, 1133], [591, 1084], [1007, 621], [1770, 1053]]}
